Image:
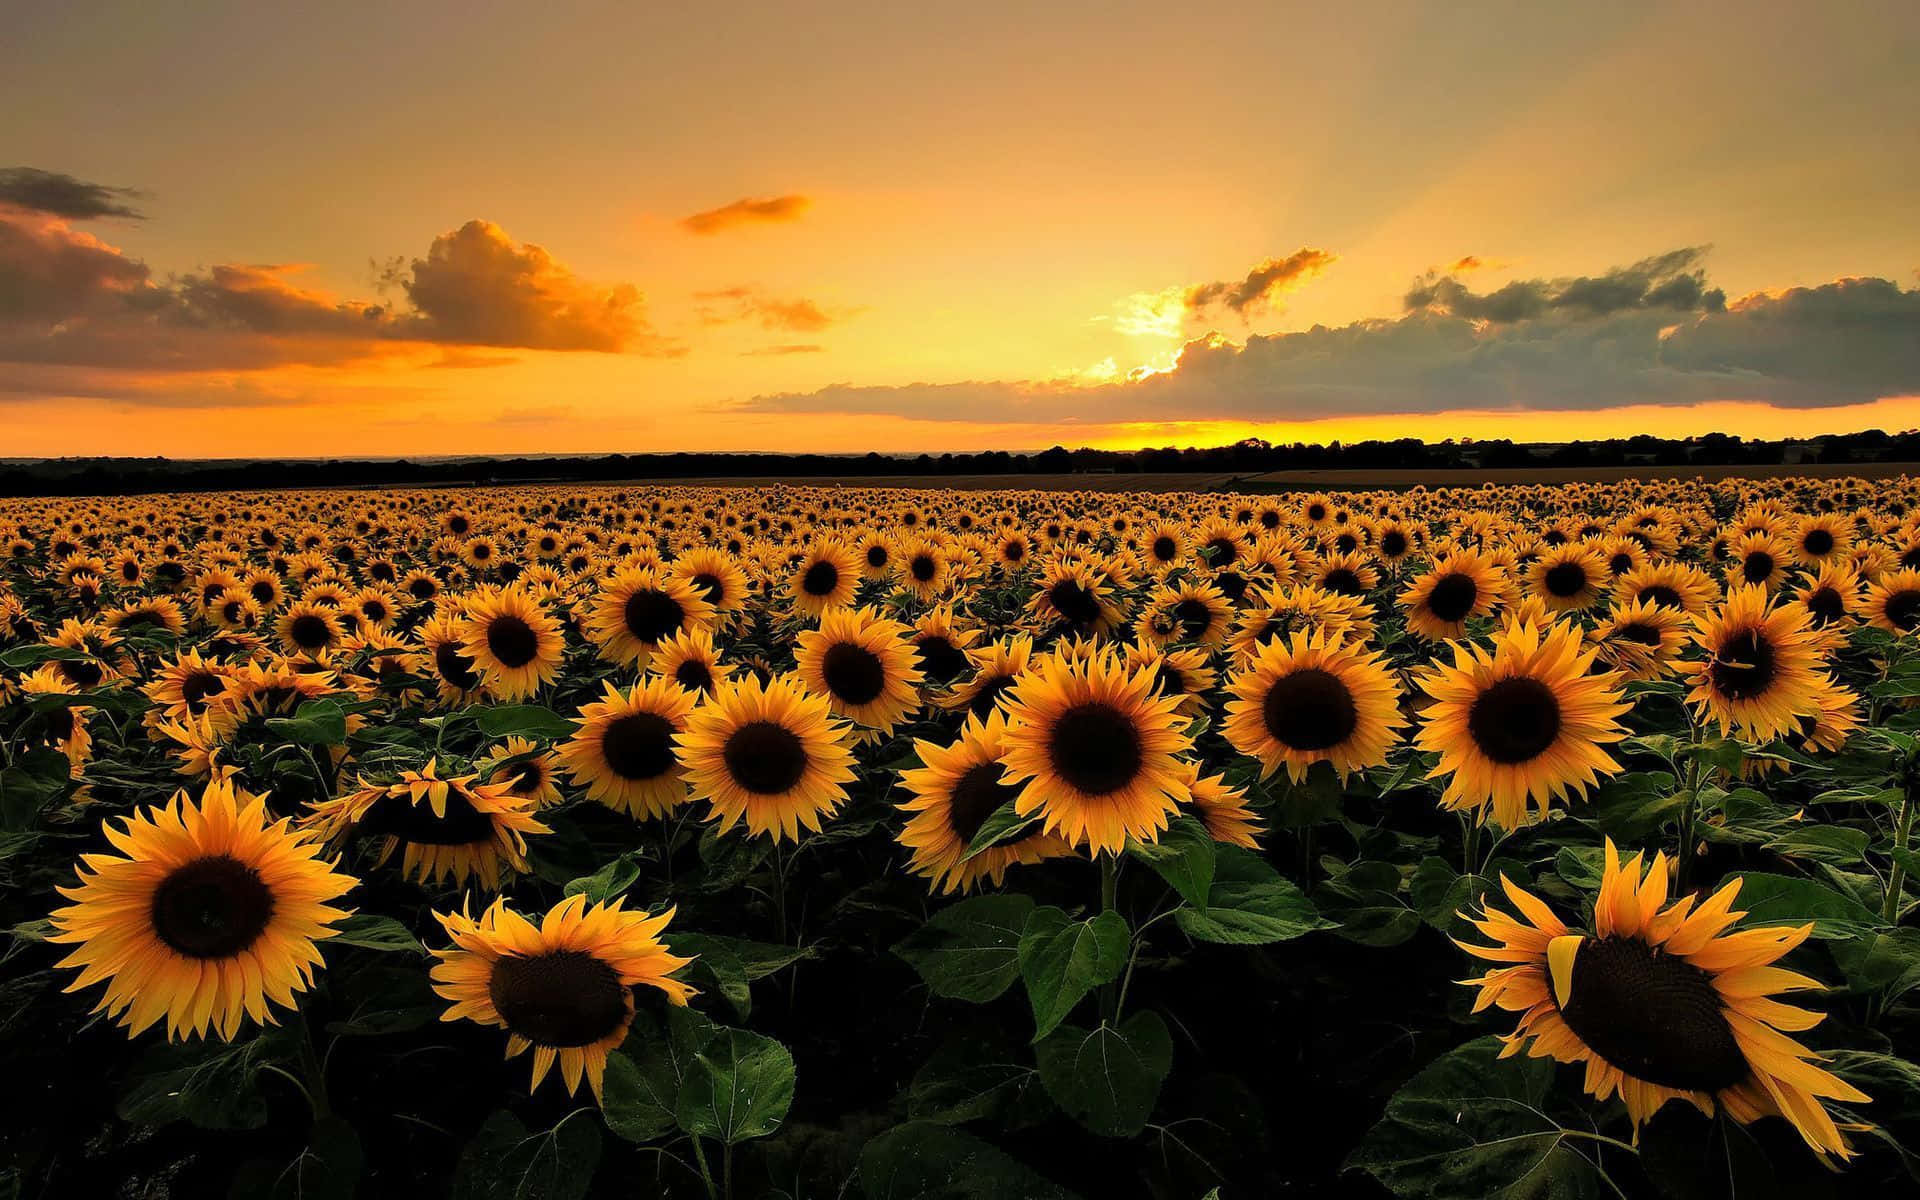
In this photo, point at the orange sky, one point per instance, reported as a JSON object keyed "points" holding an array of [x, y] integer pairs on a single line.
{"points": [[426, 228]]}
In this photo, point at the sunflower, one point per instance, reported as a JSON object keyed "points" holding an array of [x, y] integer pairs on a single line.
{"points": [[1221, 810], [770, 755], [1347, 573], [1096, 750], [1313, 698], [954, 793], [1823, 537], [997, 667], [863, 664], [825, 578], [161, 613], [209, 912], [624, 750], [1759, 560], [1673, 585], [528, 771], [513, 642], [1640, 640], [455, 675], [186, 686], [716, 576], [1832, 597], [691, 660], [923, 569], [1521, 726], [449, 828], [1568, 578], [1166, 546], [638, 609], [564, 987], [1761, 666], [1072, 598], [1460, 586], [1892, 602], [1195, 612], [65, 726], [1661, 1002], [1186, 673]]}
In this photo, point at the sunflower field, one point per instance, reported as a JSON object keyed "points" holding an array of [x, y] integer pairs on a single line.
{"points": [[826, 842]]}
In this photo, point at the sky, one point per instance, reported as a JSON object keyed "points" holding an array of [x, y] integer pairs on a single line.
{"points": [[452, 228]]}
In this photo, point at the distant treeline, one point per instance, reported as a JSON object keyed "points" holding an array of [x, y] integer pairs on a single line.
{"points": [[113, 476]]}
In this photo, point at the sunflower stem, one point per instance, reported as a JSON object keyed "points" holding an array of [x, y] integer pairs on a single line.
{"points": [[1902, 837], [706, 1175], [1470, 852], [1109, 889], [316, 1087]]}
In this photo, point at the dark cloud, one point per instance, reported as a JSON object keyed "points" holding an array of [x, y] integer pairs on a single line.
{"points": [[64, 196], [746, 212], [1673, 280], [68, 297], [1259, 291], [1641, 339]]}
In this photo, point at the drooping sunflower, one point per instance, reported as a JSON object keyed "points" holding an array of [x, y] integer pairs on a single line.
{"points": [[562, 988], [957, 789], [638, 609], [528, 772], [1096, 751], [1892, 602], [452, 829], [65, 727], [513, 642], [772, 756], [1520, 726], [1460, 586], [624, 751], [825, 578], [1662, 1002], [1314, 698], [209, 913], [1569, 578], [1761, 668], [864, 666]]}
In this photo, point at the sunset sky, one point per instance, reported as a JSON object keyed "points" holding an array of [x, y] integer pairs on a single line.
{"points": [[425, 227]]}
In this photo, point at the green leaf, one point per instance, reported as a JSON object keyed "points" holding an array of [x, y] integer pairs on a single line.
{"points": [[966, 1081], [1249, 904], [1473, 1126], [373, 932], [1003, 824], [525, 720], [1582, 867], [1628, 807], [970, 950], [386, 999], [327, 1167], [609, 881], [1887, 963], [505, 1162], [214, 1085], [924, 1161], [728, 965], [1108, 1078], [739, 1087], [1834, 844], [315, 723], [1061, 960], [37, 778], [644, 1076], [1183, 857], [1787, 900], [26, 658]]}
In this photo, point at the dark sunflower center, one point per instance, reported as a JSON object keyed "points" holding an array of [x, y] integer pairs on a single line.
{"points": [[1310, 709], [1316, 512], [694, 676], [60, 724], [211, 907], [1903, 609], [560, 998], [1818, 542], [399, 816], [310, 632], [1661, 595], [1195, 617], [1515, 720], [976, 796], [82, 672], [1826, 605], [1744, 666], [853, 673], [419, 589], [1165, 548], [1566, 580], [1233, 584], [1453, 597], [1393, 544], [454, 667], [1224, 551], [1168, 681], [820, 580], [765, 757], [1342, 580], [984, 700], [1074, 602], [923, 568], [940, 661], [525, 778], [1758, 567], [652, 615], [710, 587], [876, 556], [638, 745], [1654, 1016], [512, 641], [1095, 748], [1638, 631]]}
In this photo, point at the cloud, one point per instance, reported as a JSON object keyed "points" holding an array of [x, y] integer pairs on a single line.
{"points": [[750, 304], [34, 190], [68, 297], [746, 212], [1673, 280], [785, 348], [1631, 336], [1260, 290]]}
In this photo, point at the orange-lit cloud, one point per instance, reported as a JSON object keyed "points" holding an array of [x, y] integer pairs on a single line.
{"points": [[798, 315], [1257, 292], [746, 212], [784, 348]]}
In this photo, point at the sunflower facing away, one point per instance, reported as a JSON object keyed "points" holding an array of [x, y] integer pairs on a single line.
{"points": [[1661, 1002], [447, 828], [771, 755], [562, 988], [209, 913], [624, 750], [954, 793], [1314, 698], [1096, 750], [1520, 726]]}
